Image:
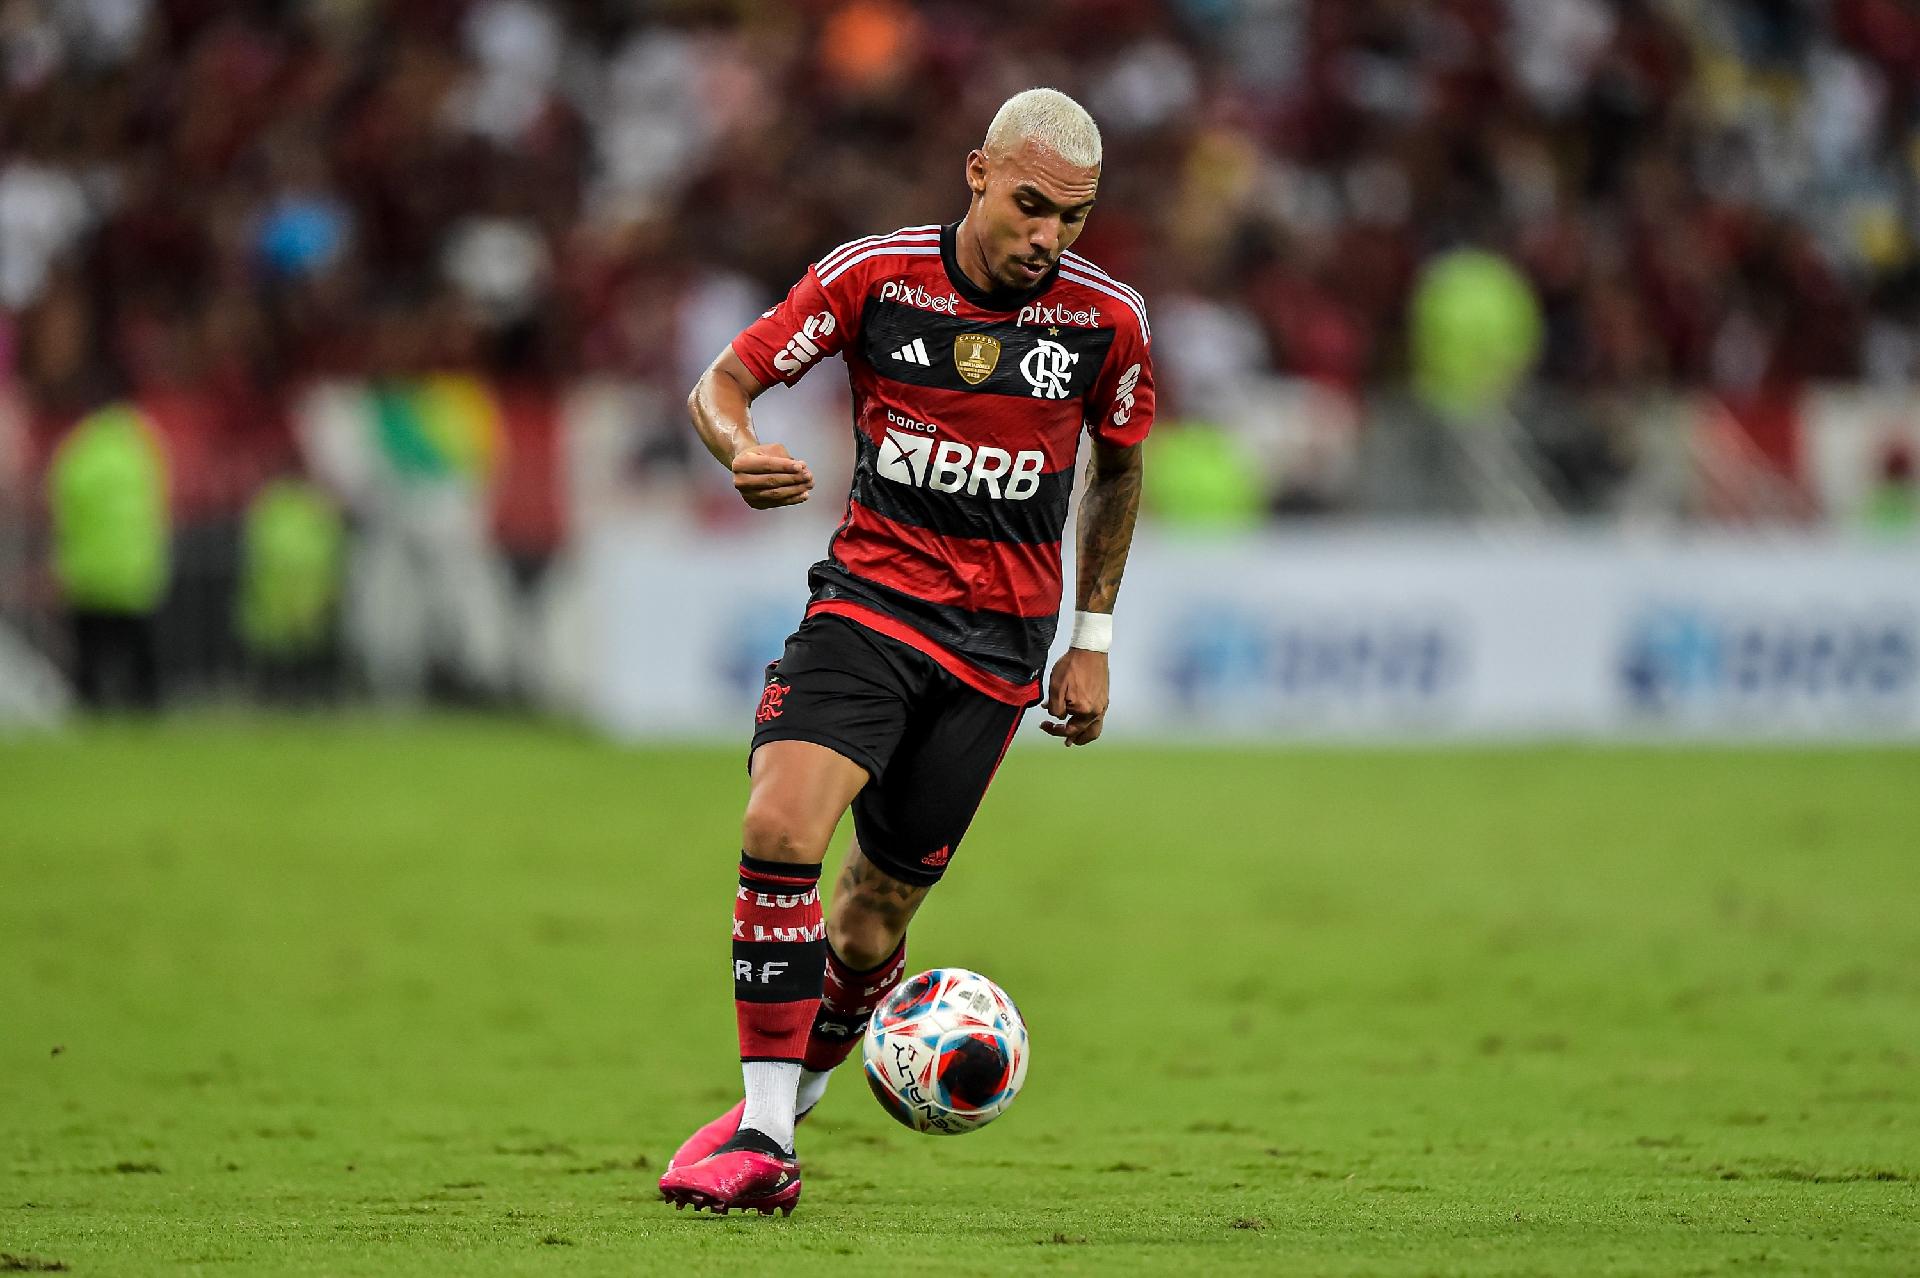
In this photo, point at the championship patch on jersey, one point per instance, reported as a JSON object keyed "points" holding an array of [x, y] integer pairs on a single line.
{"points": [[976, 355]]}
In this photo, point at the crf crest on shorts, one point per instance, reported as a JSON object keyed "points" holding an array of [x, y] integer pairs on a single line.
{"points": [[772, 701]]}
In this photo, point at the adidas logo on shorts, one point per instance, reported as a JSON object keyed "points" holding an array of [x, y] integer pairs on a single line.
{"points": [[915, 352]]}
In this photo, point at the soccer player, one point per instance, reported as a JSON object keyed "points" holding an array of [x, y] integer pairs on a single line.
{"points": [[978, 352]]}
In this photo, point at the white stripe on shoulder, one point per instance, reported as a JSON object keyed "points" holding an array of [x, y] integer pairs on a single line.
{"points": [[1086, 264], [881, 250], [1103, 286], [905, 234], [1080, 263], [1091, 268]]}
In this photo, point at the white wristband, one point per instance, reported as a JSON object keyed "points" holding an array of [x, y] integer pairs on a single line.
{"points": [[1092, 631]]}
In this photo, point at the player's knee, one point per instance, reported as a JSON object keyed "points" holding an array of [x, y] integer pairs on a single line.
{"points": [[777, 831], [861, 939]]}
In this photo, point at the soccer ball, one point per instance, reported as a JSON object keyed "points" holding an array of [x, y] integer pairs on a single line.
{"points": [[947, 1052]]}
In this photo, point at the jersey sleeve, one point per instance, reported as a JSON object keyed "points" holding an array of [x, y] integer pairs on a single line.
{"points": [[811, 323], [1120, 408]]}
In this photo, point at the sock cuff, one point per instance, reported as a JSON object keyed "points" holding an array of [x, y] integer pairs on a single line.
{"points": [[777, 873]]}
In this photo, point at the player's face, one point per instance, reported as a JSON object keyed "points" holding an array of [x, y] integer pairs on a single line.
{"points": [[1030, 206]]}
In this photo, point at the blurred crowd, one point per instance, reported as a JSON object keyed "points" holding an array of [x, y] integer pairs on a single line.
{"points": [[208, 206], [1703, 191]]}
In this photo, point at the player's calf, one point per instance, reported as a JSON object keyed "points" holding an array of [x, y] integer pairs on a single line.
{"points": [[871, 911], [859, 938]]}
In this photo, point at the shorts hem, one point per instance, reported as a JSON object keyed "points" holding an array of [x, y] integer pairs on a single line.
{"points": [[814, 736], [906, 871]]}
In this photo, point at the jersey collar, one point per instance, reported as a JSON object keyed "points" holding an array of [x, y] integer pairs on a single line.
{"points": [[999, 299]]}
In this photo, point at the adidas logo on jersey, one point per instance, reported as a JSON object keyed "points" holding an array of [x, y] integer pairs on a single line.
{"points": [[952, 467], [915, 352]]}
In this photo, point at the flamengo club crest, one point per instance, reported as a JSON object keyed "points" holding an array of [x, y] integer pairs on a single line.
{"points": [[1046, 368], [976, 355]]}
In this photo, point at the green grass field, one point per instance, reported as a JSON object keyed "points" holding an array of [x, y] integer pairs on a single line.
{"points": [[440, 999]]}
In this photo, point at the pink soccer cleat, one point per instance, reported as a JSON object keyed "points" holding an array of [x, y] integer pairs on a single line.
{"points": [[709, 1138], [743, 1175], [714, 1135]]}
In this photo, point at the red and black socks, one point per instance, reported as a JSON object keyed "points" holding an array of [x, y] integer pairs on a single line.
{"points": [[779, 963], [847, 1000]]}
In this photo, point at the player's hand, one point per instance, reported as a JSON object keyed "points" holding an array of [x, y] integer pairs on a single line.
{"points": [[1077, 694], [766, 475]]}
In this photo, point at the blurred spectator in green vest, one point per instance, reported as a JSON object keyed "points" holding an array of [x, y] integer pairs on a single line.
{"points": [[290, 577], [107, 491], [1894, 504], [1475, 332], [1203, 478]]}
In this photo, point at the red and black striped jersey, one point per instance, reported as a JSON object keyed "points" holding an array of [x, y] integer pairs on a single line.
{"points": [[967, 412]]}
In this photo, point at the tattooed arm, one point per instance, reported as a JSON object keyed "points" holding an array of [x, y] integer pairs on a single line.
{"points": [[1107, 513], [1077, 691]]}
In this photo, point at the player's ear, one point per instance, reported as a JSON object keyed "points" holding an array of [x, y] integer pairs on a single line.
{"points": [[977, 171]]}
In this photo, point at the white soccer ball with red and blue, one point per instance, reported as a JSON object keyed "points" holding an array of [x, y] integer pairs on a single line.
{"points": [[946, 1053]]}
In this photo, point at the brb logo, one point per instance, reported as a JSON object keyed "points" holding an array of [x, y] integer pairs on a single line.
{"points": [[946, 466], [1334, 666], [804, 346], [915, 296], [1678, 659], [1046, 368]]}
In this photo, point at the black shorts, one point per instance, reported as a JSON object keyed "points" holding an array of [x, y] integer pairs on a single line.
{"points": [[930, 744]]}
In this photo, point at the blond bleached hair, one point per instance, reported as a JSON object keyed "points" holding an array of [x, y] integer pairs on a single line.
{"points": [[1050, 118]]}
